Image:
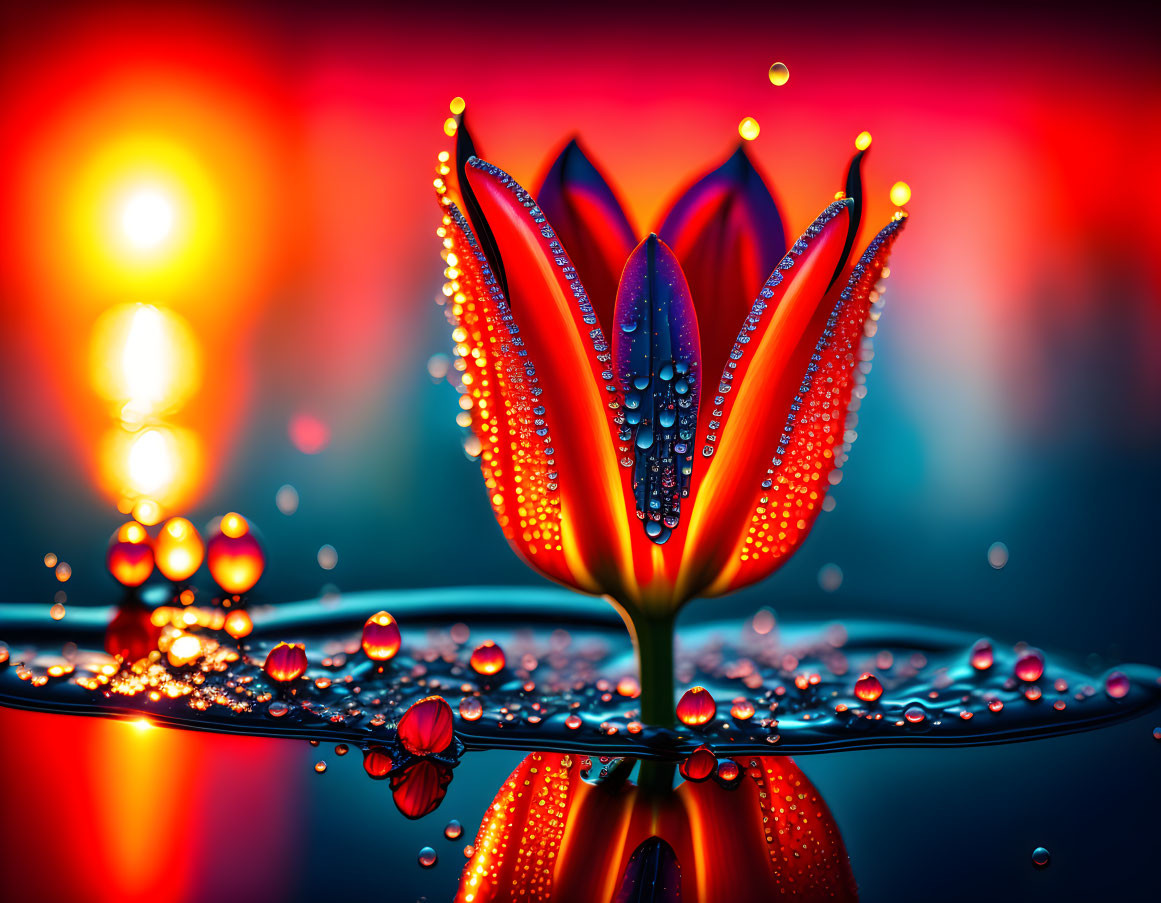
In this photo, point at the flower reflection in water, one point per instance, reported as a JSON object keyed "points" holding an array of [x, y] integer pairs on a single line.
{"points": [[551, 835]]}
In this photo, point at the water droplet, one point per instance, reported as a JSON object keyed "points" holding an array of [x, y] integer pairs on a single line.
{"points": [[996, 705], [914, 714], [779, 74], [381, 637], [1040, 857], [696, 707], [377, 762], [728, 770], [748, 128], [1030, 665], [742, 709], [178, 550], [572, 722], [982, 656], [327, 557], [286, 499], [471, 708], [997, 555], [1117, 685], [129, 557], [1156, 730], [234, 557], [487, 659], [320, 766], [699, 765], [868, 687], [427, 857], [453, 830], [628, 686], [56, 612], [277, 709]]}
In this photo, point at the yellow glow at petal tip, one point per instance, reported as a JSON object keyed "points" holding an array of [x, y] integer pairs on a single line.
{"points": [[147, 218], [748, 128], [900, 193], [457, 105], [141, 724], [779, 74], [449, 127], [863, 141]]}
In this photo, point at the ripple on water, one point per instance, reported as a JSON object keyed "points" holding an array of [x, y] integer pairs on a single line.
{"points": [[806, 687]]}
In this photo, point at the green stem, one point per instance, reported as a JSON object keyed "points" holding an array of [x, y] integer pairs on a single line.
{"points": [[653, 641]]}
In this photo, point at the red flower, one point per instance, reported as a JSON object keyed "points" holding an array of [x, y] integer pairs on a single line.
{"points": [[656, 420], [551, 835], [286, 662]]}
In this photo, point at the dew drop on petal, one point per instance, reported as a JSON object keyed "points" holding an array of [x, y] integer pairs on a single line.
{"points": [[728, 770]]}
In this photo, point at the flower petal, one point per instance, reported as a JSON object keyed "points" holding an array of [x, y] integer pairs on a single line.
{"points": [[746, 417], [568, 353], [789, 492], [591, 224], [726, 231], [657, 359], [502, 399]]}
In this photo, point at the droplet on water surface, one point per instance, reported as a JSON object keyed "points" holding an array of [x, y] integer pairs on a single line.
{"points": [[1030, 665], [1117, 685], [471, 708], [868, 687], [982, 656], [381, 638]]}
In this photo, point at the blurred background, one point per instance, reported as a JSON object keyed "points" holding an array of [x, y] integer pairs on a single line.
{"points": [[260, 179]]}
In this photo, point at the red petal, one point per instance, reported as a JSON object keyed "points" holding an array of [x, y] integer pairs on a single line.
{"points": [[812, 442], [519, 839], [507, 418], [591, 224], [744, 419], [420, 788], [426, 727], [131, 633], [726, 231], [570, 358]]}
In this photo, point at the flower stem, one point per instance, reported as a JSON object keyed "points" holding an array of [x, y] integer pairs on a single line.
{"points": [[653, 641]]}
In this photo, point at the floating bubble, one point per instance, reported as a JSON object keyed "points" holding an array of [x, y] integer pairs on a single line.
{"points": [[50, 560], [427, 857], [63, 572], [327, 557], [1040, 857], [286, 498], [779, 74]]}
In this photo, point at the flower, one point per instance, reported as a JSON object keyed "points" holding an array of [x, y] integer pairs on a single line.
{"points": [[659, 419], [767, 834]]}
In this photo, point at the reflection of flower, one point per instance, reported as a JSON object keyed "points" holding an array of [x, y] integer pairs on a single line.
{"points": [[551, 835], [700, 388]]}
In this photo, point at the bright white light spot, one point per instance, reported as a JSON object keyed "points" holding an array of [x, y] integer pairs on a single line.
{"points": [[147, 218], [152, 462], [141, 724]]}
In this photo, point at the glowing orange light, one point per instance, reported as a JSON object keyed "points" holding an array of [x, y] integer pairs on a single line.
{"points": [[234, 556], [900, 193], [863, 141], [178, 549], [130, 556], [487, 659], [238, 624], [696, 707], [142, 724], [184, 650], [868, 688], [381, 637]]}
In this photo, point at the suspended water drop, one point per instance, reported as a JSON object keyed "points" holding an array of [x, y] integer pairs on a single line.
{"points": [[320, 767], [997, 555], [914, 714], [1117, 685], [1040, 857], [427, 857], [487, 659], [453, 830], [286, 662], [471, 708], [286, 499], [277, 709], [779, 74]]}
